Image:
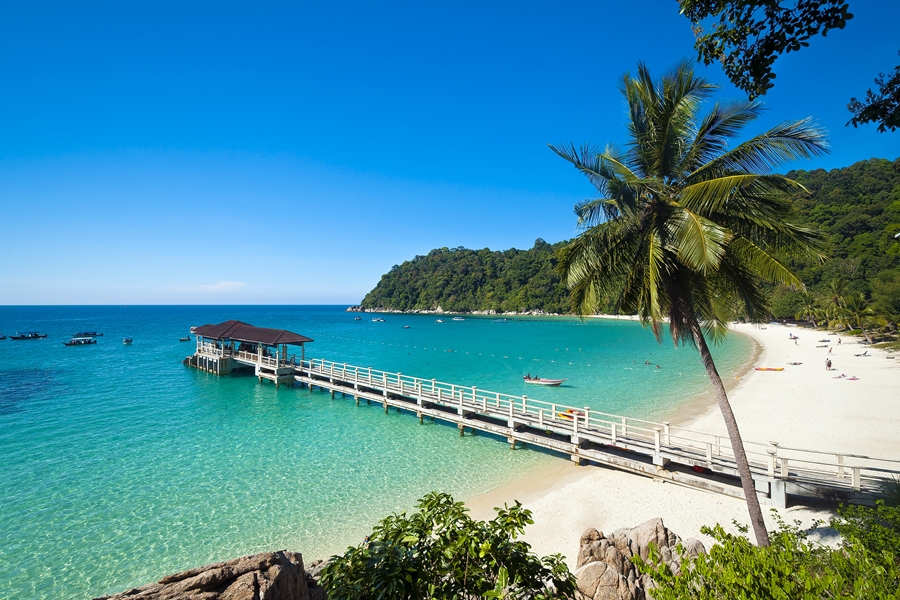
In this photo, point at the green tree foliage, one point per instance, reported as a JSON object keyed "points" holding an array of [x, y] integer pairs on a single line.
{"points": [[857, 208], [882, 107], [866, 566], [747, 36], [684, 229], [462, 280], [440, 552], [751, 34]]}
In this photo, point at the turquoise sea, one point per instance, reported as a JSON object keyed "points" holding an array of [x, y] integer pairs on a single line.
{"points": [[120, 465]]}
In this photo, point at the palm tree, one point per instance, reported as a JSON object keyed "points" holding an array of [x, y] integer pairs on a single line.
{"points": [[683, 227], [808, 307], [856, 312], [837, 289]]}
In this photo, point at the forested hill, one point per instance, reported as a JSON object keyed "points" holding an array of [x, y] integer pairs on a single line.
{"points": [[462, 280], [858, 209]]}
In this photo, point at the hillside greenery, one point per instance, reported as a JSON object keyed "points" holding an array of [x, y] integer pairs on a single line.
{"points": [[462, 280], [856, 207]]}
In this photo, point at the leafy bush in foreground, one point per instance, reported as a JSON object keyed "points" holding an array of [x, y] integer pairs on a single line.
{"points": [[441, 552], [867, 565]]}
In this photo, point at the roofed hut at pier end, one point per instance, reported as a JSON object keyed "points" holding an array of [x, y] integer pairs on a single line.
{"points": [[235, 345]]}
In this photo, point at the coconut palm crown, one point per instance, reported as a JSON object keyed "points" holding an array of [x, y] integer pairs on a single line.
{"points": [[684, 228]]}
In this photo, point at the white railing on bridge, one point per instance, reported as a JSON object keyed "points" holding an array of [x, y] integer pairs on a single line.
{"points": [[675, 443]]}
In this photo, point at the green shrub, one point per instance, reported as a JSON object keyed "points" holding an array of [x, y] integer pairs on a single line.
{"points": [[440, 552], [866, 566]]}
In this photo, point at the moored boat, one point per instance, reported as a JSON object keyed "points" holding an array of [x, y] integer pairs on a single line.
{"points": [[542, 381], [186, 338], [458, 319], [90, 334], [28, 335], [80, 341], [2, 337], [127, 341]]}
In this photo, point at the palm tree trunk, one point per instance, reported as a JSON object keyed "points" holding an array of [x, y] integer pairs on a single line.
{"points": [[737, 445]]}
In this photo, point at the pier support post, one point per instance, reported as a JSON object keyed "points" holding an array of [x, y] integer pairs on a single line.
{"points": [[462, 429], [778, 493], [577, 459], [421, 418], [357, 400], [512, 443], [385, 407], [332, 394]]}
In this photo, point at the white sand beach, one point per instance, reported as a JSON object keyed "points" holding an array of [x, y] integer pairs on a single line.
{"points": [[803, 406]]}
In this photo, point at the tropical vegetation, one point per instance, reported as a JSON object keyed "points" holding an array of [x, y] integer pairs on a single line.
{"points": [[441, 552], [865, 566], [462, 280], [686, 231]]}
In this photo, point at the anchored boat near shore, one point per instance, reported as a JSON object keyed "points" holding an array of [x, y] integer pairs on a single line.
{"points": [[542, 381]]}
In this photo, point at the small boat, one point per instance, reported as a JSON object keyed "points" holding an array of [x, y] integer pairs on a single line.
{"points": [[357, 318], [86, 334], [28, 335], [186, 338], [377, 320], [570, 414], [406, 327], [770, 368], [458, 319], [501, 320], [438, 320], [80, 341], [542, 381], [2, 337], [127, 341]]}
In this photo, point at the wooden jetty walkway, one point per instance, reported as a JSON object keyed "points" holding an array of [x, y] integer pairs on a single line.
{"points": [[658, 450]]}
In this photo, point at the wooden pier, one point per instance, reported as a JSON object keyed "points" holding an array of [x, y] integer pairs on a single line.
{"points": [[659, 450]]}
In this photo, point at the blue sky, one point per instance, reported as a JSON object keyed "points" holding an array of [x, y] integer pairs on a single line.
{"points": [[221, 153]]}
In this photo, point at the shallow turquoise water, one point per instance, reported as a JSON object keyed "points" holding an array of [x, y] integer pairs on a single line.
{"points": [[120, 465]]}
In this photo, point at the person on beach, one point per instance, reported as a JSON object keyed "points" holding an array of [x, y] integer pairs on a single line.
{"points": [[829, 351], [839, 341], [827, 364]]}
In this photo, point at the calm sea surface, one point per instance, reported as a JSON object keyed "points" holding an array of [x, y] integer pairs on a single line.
{"points": [[119, 465]]}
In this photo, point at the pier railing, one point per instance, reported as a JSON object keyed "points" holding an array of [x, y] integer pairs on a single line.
{"points": [[662, 440]]}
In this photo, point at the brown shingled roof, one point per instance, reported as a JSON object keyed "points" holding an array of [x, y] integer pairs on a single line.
{"points": [[243, 332]]}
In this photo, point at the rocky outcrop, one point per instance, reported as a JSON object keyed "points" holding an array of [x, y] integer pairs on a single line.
{"points": [[604, 569], [265, 576]]}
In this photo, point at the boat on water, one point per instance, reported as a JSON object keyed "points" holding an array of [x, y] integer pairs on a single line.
{"points": [[357, 318], [186, 338], [458, 319], [438, 320], [127, 341], [501, 320], [378, 320], [2, 337], [90, 334], [406, 327], [770, 368], [80, 341], [542, 381], [28, 335]]}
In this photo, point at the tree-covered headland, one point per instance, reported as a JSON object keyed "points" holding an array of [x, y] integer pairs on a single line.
{"points": [[857, 208]]}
